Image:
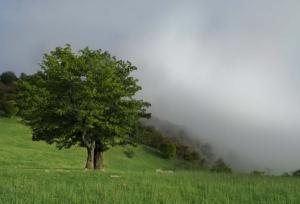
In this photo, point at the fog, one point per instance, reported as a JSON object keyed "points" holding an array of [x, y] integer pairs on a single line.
{"points": [[227, 70]]}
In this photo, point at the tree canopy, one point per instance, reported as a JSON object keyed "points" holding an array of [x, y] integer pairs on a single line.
{"points": [[8, 92], [8, 77], [85, 98]]}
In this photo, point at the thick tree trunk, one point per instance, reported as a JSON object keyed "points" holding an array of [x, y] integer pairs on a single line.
{"points": [[90, 156], [98, 156], [98, 160]]}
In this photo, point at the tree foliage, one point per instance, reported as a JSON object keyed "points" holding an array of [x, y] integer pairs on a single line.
{"points": [[296, 173], [8, 77], [8, 92], [220, 166], [168, 150], [85, 98]]}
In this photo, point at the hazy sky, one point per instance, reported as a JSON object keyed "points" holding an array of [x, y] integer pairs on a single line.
{"points": [[229, 70]]}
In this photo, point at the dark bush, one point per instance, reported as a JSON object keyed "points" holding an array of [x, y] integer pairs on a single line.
{"points": [[258, 173], [8, 93], [8, 108], [285, 174], [296, 173], [168, 150], [8, 77], [186, 153], [129, 152], [220, 166]]}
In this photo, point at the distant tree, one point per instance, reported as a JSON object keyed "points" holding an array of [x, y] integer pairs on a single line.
{"points": [[23, 75], [220, 166], [286, 174], [258, 173], [149, 136], [296, 173], [207, 152], [168, 150], [86, 98], [8, 92], [8, 77], [186, 153]]}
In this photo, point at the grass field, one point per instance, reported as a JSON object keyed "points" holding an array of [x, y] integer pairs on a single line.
{"points": [[34, 172]]}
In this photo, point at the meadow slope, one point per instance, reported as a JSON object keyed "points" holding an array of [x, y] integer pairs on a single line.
{"points": [[35, 172]]}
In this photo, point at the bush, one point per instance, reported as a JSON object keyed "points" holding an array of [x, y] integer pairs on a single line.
{"points": [[186, 153], [296, 173], [168, 150], [220, 166], [258, 173], [285, 174], [8, 108], [129, 152]]}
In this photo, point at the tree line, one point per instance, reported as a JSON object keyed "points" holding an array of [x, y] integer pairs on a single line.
{"points": [[8, 94]]}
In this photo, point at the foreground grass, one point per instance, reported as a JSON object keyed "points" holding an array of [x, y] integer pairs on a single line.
{"points": [[74, 186], [34, 172]]}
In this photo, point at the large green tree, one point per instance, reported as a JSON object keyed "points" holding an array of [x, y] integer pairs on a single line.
{"points": [[86, 98]]}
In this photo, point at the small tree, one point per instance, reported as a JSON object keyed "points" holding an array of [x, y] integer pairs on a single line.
{"points": [[296, 173], [8, 77], [8, 92], [85, 98], [8, 108], [168, 150], [220, 166]]}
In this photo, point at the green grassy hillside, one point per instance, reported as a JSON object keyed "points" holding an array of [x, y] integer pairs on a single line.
{"points": [[17, 150], [35, 172]]}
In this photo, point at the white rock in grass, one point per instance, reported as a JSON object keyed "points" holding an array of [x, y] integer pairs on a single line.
{"points": [[164, 171], [114, 176]]}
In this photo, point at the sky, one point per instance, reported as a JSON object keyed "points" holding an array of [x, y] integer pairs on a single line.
{"points": [[226, 69]]}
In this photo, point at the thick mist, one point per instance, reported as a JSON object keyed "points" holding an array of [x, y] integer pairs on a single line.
{"points": [[227, 70]]}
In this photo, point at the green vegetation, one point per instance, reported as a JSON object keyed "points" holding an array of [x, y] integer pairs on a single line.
{"points": [[8, 77], [34, 172], [296, 173], [220, 166], [169, 147], [85, 98], [8, 92], [168, 150]]}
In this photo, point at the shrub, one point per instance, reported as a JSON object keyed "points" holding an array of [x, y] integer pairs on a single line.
{"points": [[258, 173], [285, 174], [220, 166], [168, 150], [296, 173], [8, 108], [186, 153], [129, 152]]}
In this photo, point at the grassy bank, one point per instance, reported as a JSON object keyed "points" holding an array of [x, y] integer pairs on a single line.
{"points": [[34, 172]]}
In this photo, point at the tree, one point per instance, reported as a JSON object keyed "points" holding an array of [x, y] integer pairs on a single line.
{"points": [[86, 98], [221, 166], [296, 173], [8, 77], [168, 149], [8, 92]]}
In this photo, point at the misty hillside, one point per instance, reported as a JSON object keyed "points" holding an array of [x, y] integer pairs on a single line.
{"points": [[181, 134], [18, 151], [34, 172]]}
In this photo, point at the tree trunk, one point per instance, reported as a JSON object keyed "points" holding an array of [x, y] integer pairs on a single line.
{"points": [[98, 160], [98, 156], [90, 156]]}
